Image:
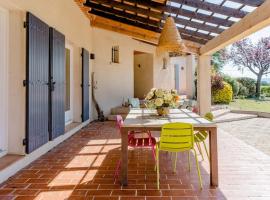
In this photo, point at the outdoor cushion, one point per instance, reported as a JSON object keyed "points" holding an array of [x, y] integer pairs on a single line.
{"points": [[134, 102]]}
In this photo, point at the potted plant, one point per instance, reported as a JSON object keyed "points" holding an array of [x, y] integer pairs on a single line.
{"points": [[162, 100]]}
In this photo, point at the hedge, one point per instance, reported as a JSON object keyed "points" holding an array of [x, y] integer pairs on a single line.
{"points": [[224, 95]]}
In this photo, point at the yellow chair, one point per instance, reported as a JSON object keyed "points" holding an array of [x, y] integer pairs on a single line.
{"points": [[200, 136], [176, 137]]}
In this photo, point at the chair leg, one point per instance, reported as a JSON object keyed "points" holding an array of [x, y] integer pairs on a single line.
{"points": [[153, 153], [157, 167], [200, 149], [198, 168], [116, 173], [207, 153], [189, 165], [175, 161]]}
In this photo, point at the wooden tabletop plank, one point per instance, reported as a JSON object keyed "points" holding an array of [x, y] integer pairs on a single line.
{"points": [[149, 118]]}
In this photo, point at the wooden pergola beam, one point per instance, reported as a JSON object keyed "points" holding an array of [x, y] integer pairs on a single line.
{"points": [[136, 32], [144, 26], [253, 22], [183, 12], [157, 15], [213, 8], [146, 20], [254, 3]]}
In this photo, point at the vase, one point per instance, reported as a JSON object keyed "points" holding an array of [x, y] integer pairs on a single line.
{"points": [[163, 111]]}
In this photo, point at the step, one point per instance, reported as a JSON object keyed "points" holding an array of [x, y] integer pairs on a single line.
{"points": [[220, 112], [229, 117]]}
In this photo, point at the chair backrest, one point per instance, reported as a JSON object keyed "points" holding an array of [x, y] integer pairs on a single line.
{"points": [[119, 121], [176, 137]]}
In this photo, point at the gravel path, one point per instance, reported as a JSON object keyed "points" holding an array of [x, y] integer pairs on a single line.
{"points": [[255, 132]]}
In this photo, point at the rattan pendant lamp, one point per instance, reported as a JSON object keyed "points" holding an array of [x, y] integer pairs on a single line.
{"points": [[170, 39]]}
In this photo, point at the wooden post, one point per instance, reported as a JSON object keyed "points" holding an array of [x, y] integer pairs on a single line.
{"points": [[213, 157], [204, 84], [124, 157]]}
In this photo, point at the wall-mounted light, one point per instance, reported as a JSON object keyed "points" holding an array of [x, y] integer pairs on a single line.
{"points": [[165, 63]]}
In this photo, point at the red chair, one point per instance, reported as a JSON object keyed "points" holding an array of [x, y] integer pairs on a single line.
{"points": [[144, 141]]}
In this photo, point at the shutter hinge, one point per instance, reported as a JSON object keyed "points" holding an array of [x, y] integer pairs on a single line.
{"points": [[24, 142], [25, 24], [25, 83]]}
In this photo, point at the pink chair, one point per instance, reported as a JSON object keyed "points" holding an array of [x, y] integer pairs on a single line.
{"points": [[146, 141]]}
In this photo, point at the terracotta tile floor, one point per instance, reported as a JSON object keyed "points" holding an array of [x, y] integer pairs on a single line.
{"points": [[83, 166]]}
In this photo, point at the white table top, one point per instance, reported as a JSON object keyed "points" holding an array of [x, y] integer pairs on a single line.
{"points": [[148, 118]]}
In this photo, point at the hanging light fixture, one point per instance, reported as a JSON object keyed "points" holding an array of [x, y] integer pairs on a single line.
{"points": [[170, 39]]}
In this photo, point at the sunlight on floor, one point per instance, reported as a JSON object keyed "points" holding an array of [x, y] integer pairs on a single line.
{"points": [[53, 195], [91, 149], [81, 161], [89, 176], [67, 178]]}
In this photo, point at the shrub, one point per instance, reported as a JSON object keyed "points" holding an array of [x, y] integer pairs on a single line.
{"points": [[243, 91], [224, 95], [250, 85], [265, 90], [233, 82], [217, 82]]}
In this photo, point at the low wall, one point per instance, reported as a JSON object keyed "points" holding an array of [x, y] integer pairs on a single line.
{"points": [[260, 114]]}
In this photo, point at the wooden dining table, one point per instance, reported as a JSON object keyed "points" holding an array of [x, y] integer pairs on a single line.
{"points": [[141, 119]]}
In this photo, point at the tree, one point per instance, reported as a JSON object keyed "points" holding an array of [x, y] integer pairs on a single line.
{"points": [[255, 57], [218, 60]]}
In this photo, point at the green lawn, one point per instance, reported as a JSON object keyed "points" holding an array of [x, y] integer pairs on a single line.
{"points": [[250, 105]]}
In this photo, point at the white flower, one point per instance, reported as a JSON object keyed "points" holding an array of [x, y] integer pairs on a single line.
{"points": [[168, 97], [149, 95], [153, 89], [159, 93], [151, 104], [174, 91], [159, 102]]}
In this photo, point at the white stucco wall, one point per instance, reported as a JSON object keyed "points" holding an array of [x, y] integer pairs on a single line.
{"points": [[66, 17], [115, 81]]}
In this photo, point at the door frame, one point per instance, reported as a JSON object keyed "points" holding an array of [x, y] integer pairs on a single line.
{"points": [[4, 82], [69, 113]]}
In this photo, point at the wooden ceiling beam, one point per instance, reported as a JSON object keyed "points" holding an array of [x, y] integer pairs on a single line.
{"points": [[254, 3], [136, 32], [182, 12], [124, 20], [124, 14], [145, 20], [213, 8], [141, 25], [142, 11]]}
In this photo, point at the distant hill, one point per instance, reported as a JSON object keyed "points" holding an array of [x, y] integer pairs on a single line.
{"points": [[266, 80]]}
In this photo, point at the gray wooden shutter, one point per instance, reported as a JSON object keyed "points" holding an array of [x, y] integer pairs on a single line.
{"points": [[57, 84], [85, 85], [37, 79]]}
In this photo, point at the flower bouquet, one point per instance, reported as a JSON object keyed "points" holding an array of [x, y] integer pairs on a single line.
{"points": [[162, 100]]}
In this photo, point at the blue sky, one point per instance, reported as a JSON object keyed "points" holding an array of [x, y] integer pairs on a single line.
{"points": [[233, 71]]}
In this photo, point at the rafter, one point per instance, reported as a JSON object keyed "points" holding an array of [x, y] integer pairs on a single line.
{"points": [[254, 3], [213, 8], [183, 12], [160, 16], [140, 25], [145, 20]]}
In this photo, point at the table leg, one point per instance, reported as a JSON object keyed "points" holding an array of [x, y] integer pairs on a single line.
{"points": [[124, 157], [213, 157]]}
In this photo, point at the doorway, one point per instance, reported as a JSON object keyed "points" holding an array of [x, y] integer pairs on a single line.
{"points": [[68, 85], [4, 81], [143, 74]]}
